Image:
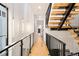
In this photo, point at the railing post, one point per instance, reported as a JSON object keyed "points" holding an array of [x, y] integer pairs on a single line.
{"points": [[7, 52], [33, 38], [64, 49], [21, 47], [30, 44], [78, 53]]}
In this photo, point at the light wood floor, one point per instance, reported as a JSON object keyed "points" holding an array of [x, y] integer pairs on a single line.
{"points": [[39, 48]]}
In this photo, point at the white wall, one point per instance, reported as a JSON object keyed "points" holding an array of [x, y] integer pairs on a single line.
{"points": [[28, 19], [75, 21], [20, 24], [21, 21], [10, 25], [15, 17]]}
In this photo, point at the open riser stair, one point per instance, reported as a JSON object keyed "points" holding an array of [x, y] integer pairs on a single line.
{"points": [[58, 13]]}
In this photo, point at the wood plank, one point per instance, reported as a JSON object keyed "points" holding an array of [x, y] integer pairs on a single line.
{"points": [[73, 34], [77, 41], [74, 12], [60, 18], [62, 12], [77, 4], [58, 26], [57, 5], [77, 38], [58, 22], [57, 12]]}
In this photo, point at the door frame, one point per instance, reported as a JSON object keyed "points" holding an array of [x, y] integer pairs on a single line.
{"points": [[7, 41]]}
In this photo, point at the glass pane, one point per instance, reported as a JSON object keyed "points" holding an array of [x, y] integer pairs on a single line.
{"points": [[2, 45], [3, 29], [54, 45], [16, 48], [26, 46]]}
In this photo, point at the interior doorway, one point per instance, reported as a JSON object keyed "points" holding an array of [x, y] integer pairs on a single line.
{"points": [[39, 25]]}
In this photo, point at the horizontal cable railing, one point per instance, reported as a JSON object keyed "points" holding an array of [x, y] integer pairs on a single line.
{"points": [[56, 47], [21, 45]]}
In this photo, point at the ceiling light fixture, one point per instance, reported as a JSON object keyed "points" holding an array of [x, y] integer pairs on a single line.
{"points": [[39, 7]]}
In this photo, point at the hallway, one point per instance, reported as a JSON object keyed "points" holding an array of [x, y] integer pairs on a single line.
{"points": [[39, 29]]}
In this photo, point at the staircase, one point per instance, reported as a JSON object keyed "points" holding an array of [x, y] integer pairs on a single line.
{"points": [[61, 14]]}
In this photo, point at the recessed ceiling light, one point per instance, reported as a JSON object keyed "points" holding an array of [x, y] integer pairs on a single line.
{"points": [[39, 7]]}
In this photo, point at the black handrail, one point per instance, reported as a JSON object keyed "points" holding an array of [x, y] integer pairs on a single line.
{"points": [[64, 44], [74, 54], [67, 14], [21, 41], [48, 13]]}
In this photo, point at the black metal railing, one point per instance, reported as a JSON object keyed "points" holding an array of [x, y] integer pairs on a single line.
{"points": [[56, 47], [21, 45], [48, 13], [74, 54]]}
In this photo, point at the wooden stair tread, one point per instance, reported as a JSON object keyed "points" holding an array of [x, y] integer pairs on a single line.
{"points": [[60, 4], [57, 12], [77, 38], [73, 34], [77, 41], [58, 22], [57, 5], [58, 26], [74, 12], [62, 12], [59, 18], [77, 4]]}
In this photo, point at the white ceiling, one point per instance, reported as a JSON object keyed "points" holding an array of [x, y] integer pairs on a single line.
{"points": [[33, 6], [43, 8]]}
